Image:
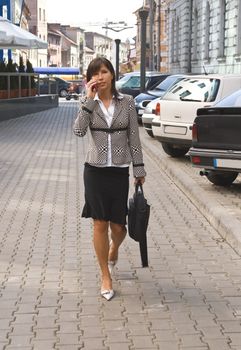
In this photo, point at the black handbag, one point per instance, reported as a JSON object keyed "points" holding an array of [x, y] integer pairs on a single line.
{"points": [[138, 218]]}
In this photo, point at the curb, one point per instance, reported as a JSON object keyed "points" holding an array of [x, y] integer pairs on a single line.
{"points": [[223, 222]]}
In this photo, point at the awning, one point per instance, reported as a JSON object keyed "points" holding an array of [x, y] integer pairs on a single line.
{"points": [[57, 70], [14, 37]]}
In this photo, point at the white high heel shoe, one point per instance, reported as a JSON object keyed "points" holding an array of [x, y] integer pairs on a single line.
{"points": [[107, 294]]}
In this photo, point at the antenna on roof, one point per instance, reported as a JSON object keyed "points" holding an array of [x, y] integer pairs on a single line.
{"points": [[205, 72]]}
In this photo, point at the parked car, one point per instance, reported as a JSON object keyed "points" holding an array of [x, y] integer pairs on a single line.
{"points": [[175, 112], [130, 84], [158, 90], [55, 85], [216, 143]]}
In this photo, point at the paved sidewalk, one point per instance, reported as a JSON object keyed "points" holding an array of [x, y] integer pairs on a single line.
{"points": [[220, 205], [189, 297]]}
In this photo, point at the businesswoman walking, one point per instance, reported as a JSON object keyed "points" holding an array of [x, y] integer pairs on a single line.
{"points": [[114, 143]]}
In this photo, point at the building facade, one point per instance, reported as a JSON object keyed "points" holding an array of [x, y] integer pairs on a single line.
{"points": [[204, 36], [100, 44], [38, 26], [54, 46], [156, 36]]}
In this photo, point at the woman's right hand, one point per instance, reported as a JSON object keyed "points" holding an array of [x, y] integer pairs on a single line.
{"points": [[91, 88]]}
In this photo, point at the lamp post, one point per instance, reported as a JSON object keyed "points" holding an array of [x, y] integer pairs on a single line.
{"points": [[151, 21], [158, 60], [143, 13], [117, 43], [117, 27]]}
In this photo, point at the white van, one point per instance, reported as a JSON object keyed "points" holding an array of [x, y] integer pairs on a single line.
{"points": [[173, 115]]}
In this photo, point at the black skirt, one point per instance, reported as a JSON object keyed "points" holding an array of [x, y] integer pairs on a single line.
{"points": [[106, 193]]}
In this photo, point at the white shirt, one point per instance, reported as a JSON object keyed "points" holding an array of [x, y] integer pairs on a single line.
{"points": [[108, 113]]}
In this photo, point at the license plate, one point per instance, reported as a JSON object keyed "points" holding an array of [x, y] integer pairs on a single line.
{"points": [[179, 130], [141, 111], [227, 163]]}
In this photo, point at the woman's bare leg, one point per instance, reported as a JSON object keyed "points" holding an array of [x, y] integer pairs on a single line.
{"points": [[101, 245], [118, 233]]}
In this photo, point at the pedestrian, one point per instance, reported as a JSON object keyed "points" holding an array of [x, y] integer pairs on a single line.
{"points": [[114, 143]]}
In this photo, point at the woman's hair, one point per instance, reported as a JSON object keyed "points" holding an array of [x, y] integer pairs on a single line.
{"points": [[94, 68]]}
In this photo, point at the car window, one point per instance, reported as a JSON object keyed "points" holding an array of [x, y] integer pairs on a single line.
{"points": [[151, 81], [168, 82], [133, 82], [233, 100], [194, 89], [123, 79]]}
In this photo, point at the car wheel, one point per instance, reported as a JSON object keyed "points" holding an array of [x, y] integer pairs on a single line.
{"points": [[173, 151], [63, 93], [222, 178]]}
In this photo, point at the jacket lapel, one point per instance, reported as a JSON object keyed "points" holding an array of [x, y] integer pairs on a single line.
{"points": [[100, 113], [118, 109]]}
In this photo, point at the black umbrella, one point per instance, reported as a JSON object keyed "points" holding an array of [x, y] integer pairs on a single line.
{"points": [[138, 217]]}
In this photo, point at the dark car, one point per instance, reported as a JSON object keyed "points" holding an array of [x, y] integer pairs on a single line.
{"points": [[158, 90], [130, 84], [216, 143], [54, 85]]}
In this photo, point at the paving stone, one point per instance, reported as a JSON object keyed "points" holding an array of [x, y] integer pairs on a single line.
{"points": [[94, 344], [192, 340], [218, 344], [49, 274], [143, 342]]}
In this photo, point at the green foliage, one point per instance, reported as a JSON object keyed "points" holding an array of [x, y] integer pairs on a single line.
{"points": [[29, 69], [21, 69], [12, 68], [3, 80]]}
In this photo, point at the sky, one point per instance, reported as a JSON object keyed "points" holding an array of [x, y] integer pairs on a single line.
{"points": [[81, 13]]}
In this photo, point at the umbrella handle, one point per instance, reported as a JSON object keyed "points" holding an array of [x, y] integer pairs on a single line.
{"points": [[138, 187]]}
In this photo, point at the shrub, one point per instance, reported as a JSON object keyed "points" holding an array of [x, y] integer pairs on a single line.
{"points": [[12, 68], [3, 80], [21, 69], [29, 69]]}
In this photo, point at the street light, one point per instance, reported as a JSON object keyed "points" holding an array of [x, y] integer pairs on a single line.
{"points": [[117, 27]]}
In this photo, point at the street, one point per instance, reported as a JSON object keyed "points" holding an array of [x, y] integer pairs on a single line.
{"points": [[188, 298]]}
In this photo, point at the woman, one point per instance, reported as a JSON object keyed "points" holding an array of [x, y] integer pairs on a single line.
{"points": [[113, 144]]}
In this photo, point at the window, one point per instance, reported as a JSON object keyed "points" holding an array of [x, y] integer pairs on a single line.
{"points": [[195, 34], [222, 28], [133, 82], [40, 13], [172, 40], [188, 89], [239, 29], [207, 32], [177, 40], [234, 100]]}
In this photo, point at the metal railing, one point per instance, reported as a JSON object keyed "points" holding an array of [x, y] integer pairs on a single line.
{"points": [[10, 83]]}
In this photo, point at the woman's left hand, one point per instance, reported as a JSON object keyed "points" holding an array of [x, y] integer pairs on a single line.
{"points": [[140, 180]]}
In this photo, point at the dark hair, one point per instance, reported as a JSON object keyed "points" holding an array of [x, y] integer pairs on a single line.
{"points": [[94, 68]]}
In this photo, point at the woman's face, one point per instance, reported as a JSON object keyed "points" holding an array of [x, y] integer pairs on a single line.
{"points": [[103, 78]]}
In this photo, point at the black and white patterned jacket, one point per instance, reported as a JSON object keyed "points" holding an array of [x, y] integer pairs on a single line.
{"points": [[125, 140]]}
